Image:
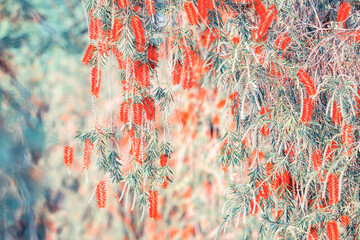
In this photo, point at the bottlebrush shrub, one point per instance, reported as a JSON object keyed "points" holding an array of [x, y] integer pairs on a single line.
{"points": [[260, 66]]}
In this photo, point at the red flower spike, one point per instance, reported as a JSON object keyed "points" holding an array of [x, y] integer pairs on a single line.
{"points": [[89, 54], [333, 189], [89, 146], [93, 28], [343, 13], [235, 102], [345, 220], [278, 215], [285, 178], [307, 110], [68, 156], [188, 82], [122, 3], [101, 194], [329, 150], [116, 30], [119, 58], [357, 99], [347, 139], [316, 159], [124, 112], [149, 107], [307, 82], [260, 9], [139, 33], [142, 76], [203, 7], [265, 130], [191, 13], [95, 81], [152, 56], [269, 169], [150, 7], [313, 234], [163, 160], [177, 73], [254, 208], [336, 114], [153, 208], [282, 41], [137, 111], [332, 231], [264, 24]]}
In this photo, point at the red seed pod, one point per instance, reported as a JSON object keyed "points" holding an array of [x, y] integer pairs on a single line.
{"points": [[333, 188], [163, 160], [122, 3], [177, 73], [307, 82], [332, 231], [347, 139], [95, 81], [316, 159], [142, 74], [150, 7], [313, 234], [336, 116], [89, 54], [101, 194], [119, 58], [137, 112], [152, 56], [191, 13], [149, 107], [116, 30], [307, 110], [343, 13], [89, 146], [68, 156], [139, 33], [124, 112]]}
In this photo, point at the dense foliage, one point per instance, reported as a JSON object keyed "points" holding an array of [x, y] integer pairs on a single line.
{"points": [[288, 75]]}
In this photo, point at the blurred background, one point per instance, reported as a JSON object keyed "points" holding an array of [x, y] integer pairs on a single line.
{"points": [[45, 99]]}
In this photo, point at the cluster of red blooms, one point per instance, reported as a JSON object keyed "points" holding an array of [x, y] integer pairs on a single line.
{"points": [[153, 208], [68, 156], [101, 194], [89, 146]]}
